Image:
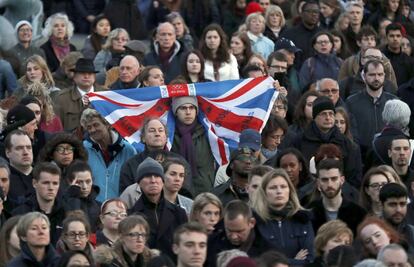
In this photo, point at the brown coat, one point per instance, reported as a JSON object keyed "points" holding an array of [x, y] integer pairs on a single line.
{"points": [[69, 107], [350, 67]]}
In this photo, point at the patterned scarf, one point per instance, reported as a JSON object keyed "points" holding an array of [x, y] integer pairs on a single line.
{"points": [[60, 47]]}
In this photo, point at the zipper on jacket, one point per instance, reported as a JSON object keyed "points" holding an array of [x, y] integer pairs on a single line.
{"points": [[282, 240]]}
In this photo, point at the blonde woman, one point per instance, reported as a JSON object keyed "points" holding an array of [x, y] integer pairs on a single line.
{"points": [[274, 22], [112, 49], [255, 24], [48, 122], [330, 235], [37, 71], [281, 220]]}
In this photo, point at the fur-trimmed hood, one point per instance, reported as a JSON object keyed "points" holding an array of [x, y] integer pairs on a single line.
{"points": [[107, 255]]}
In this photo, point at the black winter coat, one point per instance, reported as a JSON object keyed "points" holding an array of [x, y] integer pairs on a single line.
{"points": [[89, 205], [129, 168], [349, 212], [51, 59], [56, 217], [163, 218], [218, 242], [173, 68], [312, 138], [20, 186], [406, 94], [27, 259]]}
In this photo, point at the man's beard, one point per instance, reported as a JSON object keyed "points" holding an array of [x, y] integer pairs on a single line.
{"points": [[375, 86], [331, 193]]}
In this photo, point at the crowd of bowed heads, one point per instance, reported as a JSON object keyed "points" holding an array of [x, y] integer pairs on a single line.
{"points": [[328, 182]]}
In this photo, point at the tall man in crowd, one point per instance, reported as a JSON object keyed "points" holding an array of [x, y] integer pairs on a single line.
{"points": [[333, 205], [166, 52], [401, 62], [367, 105], [20, 155], [72, 102]]}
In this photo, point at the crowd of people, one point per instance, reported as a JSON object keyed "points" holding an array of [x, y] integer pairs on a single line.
{"points": [[329, 181]]}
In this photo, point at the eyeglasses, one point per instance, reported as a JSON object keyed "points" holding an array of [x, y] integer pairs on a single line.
{"points": [[74, 235], [329, 91], [116, 214], [323, 42], [136, 235], [377, 186], [61, 149]]}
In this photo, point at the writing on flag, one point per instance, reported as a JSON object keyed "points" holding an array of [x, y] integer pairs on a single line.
{"points": [[225, 109]]}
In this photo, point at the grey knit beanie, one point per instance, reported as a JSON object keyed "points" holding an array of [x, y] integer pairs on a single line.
{"points": [[179, 101], [147, 167]]}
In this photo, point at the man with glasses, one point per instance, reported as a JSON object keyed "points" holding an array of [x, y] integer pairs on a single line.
{"points": [[303, 33], [356, 83], [322, 130], [394, 201], [163, 217], [332, 204]]}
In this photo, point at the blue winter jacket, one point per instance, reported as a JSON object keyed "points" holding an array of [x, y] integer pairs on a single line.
{"points": [[289, 236], [106, 176]]}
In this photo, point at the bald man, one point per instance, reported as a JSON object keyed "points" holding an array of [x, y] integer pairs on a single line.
{"points": [[129, 69], [166, 52]]}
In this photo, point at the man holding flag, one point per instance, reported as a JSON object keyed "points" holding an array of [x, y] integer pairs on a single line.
{"points": [[223, 110], [190, 141]]}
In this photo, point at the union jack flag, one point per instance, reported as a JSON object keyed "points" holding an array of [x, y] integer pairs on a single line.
{"points": [[225, 109]]}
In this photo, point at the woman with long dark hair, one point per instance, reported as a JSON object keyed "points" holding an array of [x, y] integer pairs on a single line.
{"points": [[192, 67], [220, 64]]}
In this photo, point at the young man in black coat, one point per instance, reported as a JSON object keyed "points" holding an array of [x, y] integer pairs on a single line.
{"points": [[46, 180], [332, 205]]}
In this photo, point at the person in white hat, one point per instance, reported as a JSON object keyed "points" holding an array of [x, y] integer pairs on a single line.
{"points": [[24, 48]]}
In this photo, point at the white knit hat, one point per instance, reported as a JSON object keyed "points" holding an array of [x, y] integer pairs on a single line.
{"points": [[21, 23]]}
